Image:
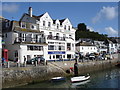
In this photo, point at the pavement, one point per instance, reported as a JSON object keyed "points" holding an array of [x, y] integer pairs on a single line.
{"points": [[57, 63]]}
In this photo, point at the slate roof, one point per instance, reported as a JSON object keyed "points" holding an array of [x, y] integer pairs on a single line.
{"points": [[16, 27], [33, 16], [84, 44]]}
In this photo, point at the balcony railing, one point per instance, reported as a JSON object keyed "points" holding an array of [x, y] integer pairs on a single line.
{"points": [[56, 38], [29, 40]]}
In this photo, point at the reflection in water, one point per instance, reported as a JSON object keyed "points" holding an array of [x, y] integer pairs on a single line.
{"points": [[80, 83], [102, 79]]}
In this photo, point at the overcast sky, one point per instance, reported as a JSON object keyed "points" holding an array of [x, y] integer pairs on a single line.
{"points": [[100, 17]]}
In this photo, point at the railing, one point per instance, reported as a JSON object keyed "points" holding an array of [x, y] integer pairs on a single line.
{"points": [[29, 40], [56, 38]]}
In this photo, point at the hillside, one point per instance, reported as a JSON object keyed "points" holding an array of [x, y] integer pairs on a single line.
{"points": [[83, 32]]}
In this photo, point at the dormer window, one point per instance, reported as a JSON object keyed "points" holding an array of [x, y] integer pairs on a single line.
{"points": [[69, 28], [43, 23], [33, 27], [49, 24], [23, 25], [57, 26], [65, 27]]}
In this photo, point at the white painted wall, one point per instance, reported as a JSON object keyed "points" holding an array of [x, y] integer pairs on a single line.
{"points": [[53, 28], [0, 43], [86, 49], [24, 52], [112, 48], [0, 48]]}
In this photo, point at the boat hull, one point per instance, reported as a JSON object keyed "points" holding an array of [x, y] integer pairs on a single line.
{"points": [[79, 79], [57, 79]]}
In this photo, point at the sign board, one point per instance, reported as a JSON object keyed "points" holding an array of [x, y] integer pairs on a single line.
{"points": [[56, 52]]}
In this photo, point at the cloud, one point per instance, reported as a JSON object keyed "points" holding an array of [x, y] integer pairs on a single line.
{"points": [[111, 32], [90, 28], [108, 13], [10, 8]]}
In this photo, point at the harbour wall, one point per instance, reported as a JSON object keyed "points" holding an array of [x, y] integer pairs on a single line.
{"points": [[17, 76]]}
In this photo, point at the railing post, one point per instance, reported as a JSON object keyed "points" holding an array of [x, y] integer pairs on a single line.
{"points": [[25, 63], [8, 65], [18, 64], [35, 63]]}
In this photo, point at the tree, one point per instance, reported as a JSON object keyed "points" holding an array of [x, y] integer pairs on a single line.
{"points": [[83, 32], [82, 27]]}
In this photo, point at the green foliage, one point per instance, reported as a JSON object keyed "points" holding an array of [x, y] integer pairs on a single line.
{"points": [[82, 27], [83, 32]]}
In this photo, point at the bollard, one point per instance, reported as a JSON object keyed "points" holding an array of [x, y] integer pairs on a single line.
{"points": [[32, 63], [46, 62], [8, 65], [18, 64], [25, 63], [35, 63]]}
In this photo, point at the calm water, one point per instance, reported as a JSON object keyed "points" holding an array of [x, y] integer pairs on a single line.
{"points": [[103, 79]]}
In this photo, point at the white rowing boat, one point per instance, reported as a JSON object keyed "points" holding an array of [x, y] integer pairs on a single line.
{"points": [[80, 83], [58, 79], [79, 78]]}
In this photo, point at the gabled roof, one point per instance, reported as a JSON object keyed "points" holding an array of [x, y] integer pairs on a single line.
{"points": [[33, 16], [15, 26]]}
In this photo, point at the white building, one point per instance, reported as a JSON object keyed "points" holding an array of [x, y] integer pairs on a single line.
{"points": [[112, 47], [24, 39], [101, 46], [58, 37], [0, 45], [85, 48], [0, 36]]}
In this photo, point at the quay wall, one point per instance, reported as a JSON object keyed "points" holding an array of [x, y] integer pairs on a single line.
{"points": [[17, 76]]}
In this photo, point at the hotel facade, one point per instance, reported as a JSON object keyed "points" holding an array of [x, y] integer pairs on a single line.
{"points": [[34, 36]]}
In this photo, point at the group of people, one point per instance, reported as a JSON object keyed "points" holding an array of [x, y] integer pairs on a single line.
{"points": [[3, 61]]}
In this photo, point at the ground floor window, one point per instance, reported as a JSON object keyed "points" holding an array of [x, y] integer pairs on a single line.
{"points": [[57, 56], [28, 57], [50, 57], [68, 55], [53, 56]]}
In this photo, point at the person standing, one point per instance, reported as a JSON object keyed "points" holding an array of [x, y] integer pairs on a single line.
{"points": [[38, 60], [24, 61], [76, 68], [17, 61], [3, 60]]}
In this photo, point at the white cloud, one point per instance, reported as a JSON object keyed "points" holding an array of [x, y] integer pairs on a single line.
{"points": [[111, 32], [108, 13], [10, 8], [90, 28]]}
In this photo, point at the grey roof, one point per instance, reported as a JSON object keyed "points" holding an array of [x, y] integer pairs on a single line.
{"points": [[84, 44], [33, 16]]}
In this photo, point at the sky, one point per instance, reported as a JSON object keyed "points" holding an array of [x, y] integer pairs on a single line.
{"points": [[100, 17]]}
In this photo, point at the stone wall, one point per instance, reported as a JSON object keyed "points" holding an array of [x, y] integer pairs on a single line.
{"points": [[17, 76]]}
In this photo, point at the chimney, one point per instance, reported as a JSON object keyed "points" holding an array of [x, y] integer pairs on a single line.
{"points": [[30, 11]]}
